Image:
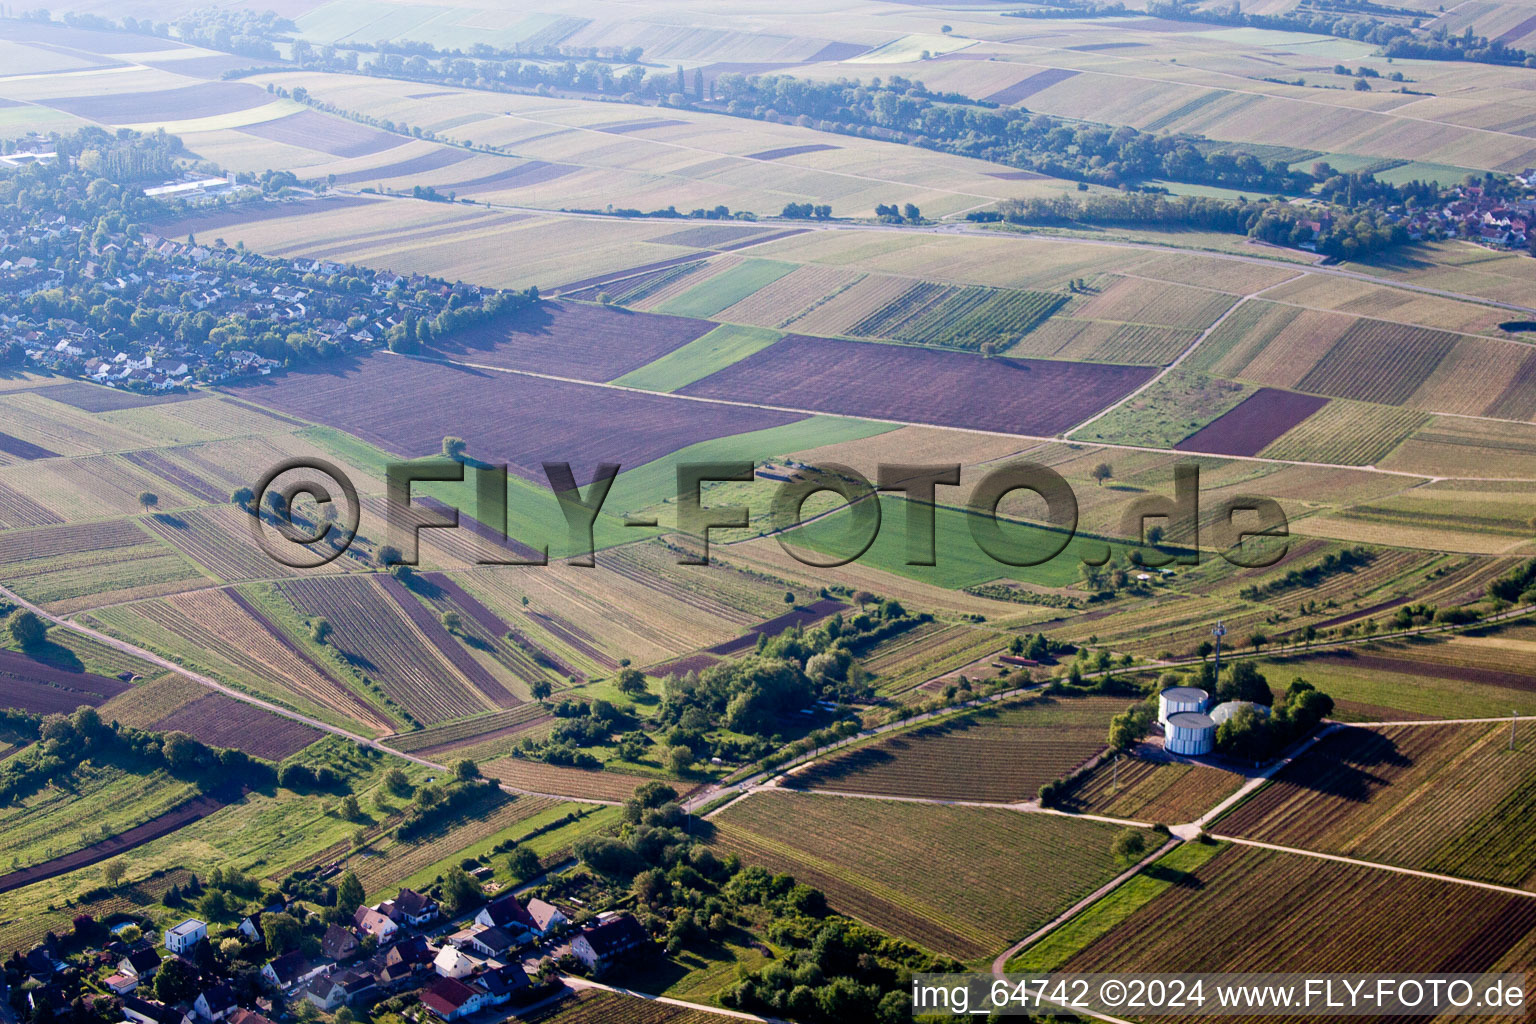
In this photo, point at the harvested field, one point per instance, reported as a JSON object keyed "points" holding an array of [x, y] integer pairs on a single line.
{"points": [[1234, 911], [578, 783], [1246, 430], [434, 160], [185, 103], [207, 222], [1027, 87], [98, 398], [569, 339], [1137, 301], [1023, 745], [629, 273], [784, 151], [222, 721], [1452, 799], [784, 299], [534, 172], [378, 640], [1169, 792], [1376, 361], [24, 450], [708, 236], [945, 388], [399, 404], [961, 881], [43, 689], [311, 129], [193, 810]]}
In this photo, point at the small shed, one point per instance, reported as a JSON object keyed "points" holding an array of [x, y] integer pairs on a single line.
{"points": [[1190, 733]]}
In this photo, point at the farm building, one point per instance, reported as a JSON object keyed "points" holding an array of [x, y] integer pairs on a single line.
{"points": [[1225, 710], [1179, 700], [1190, 733]]}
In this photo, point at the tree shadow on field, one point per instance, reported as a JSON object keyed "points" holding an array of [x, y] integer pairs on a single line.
{"points": [[1173, 876], [1351, 764], [56, 655], [174, 522], [358, 661]]}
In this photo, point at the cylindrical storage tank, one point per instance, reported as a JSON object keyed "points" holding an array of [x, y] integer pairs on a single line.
{"points": [[1190, 733], [1178, 699], [1225, 710]]}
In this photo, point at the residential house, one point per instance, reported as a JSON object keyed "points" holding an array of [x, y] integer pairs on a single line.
{"points": [[141, 962], [503, 984], [250, 927], [122, 984], [376, 924], [414, 908], [451, 999], [546, 917], [343, 988], [185, 936], [450, 963], [145, 1011], [289, 971], [508, 913], [412, 952], [242, 1016], [339, 943], [599, 946], [214, 1004]]}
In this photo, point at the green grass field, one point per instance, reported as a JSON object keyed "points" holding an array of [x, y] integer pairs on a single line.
{"points": [[726, 344], [711, 296], [959, 561]]}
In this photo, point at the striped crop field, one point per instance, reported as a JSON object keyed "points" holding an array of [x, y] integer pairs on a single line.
{"points": [[1346, 433], [1453, 799], [963, 881], [1152, 791], [1233, 912], [1022, 747], [1377, 361], [952, 316]]}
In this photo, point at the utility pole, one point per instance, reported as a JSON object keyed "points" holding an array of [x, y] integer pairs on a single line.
{"points": [[1219, 632]]}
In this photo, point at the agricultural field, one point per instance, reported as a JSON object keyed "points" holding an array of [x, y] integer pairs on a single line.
{"points": [[395, 404], [1232, 911], [720, 348], [1022, 746], [41, 688], [1452, 799], [963, 881], [234, 637], [1180, 406], [1031, 397], [1170, 792], [569, 339], [576, 783], [946, 316], [375, 636], [1344, 433]]}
